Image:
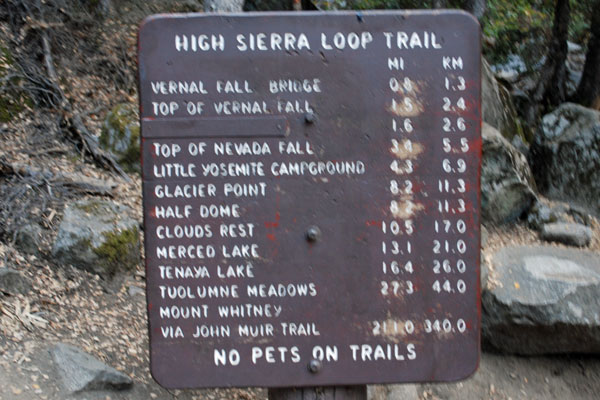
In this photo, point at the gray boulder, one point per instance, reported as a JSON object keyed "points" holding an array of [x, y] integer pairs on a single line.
{"points": [[545, 300], [28, 238], [121, 136], [98, 236], [507, 186], [80, 371], [567, 233], [497, 108], [13, 282], [565, 156], [541, 214]]}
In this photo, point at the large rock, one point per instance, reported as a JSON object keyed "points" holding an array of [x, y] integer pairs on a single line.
{"points": [[13, 282], [80, 371], [565, 156], [497, 108], [507, 186], [121, 136], [98, 236], [544, 300]]}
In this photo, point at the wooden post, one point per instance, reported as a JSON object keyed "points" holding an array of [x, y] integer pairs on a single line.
{"points": [[320, 393]]}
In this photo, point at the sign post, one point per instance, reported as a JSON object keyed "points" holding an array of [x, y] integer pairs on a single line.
{"points": [[311, 198]]}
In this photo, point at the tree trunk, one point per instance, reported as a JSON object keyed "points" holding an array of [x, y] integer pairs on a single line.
{"points": [[475, 7], [551, 87], [588, 92], [320, 393]]}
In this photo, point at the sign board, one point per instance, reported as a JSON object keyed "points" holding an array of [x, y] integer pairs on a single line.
{"points": [[311, 197]]}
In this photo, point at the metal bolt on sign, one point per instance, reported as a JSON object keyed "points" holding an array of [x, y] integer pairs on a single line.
{"points": [[314, 366], [313, 234]]}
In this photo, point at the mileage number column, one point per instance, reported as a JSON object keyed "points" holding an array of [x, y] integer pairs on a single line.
{"points": [[400, 266], [455, 231]]}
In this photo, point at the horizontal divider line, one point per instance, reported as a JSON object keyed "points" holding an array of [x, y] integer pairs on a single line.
{"points": [[185, 128]]}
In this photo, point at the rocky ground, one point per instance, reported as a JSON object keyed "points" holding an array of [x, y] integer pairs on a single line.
{"points": [[537, 300]]}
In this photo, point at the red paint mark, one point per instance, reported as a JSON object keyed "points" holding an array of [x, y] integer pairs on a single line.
{"points": [[274, 224], [373, 223], [150, 306], [153, 212], [270, 236]]}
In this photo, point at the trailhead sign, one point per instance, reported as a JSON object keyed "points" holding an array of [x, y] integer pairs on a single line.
{"points": [[311, 197]]}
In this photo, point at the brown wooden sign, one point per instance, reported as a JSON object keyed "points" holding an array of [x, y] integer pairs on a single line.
{"points": [[311, 197]]}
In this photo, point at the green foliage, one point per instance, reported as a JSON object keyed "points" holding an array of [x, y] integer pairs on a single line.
{"points": [[121, 135], [518, 27], [581, 12], [511, 17], [524, 26], [119, 250]]}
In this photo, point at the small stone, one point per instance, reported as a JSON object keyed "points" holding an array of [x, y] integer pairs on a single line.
{"points": [[28, 238], [570, 234], [539, 215], [135, 291], [13, 282], [80, 371]]}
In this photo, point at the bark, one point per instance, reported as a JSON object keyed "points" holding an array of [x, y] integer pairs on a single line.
{"points": [[588, 92], [320, 393], [475, 7], [73, 181], [551, 87]]}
